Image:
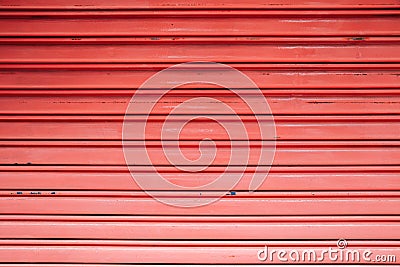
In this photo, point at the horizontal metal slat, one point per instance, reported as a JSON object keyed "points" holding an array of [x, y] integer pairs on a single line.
{"points": [[280, 105], [168, 13], [287, 153], [294, 178], [240, 204], [356, 67], [86, 251], [287, 127], [256, 53], [207, 23], [184, 4], [291, 77], [177, 227], [200, 40]]}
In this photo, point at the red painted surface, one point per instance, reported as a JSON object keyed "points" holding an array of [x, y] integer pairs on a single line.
{"points": [[330, 71]]}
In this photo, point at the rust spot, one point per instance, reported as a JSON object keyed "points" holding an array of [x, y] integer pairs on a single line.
{"points": [[357, 38], [320, 102]]}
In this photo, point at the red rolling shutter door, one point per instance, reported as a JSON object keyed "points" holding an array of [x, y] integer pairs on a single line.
{"points": [[329, 70]]}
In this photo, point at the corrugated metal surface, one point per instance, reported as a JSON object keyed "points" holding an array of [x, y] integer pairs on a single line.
{"points": [[330, 72]]}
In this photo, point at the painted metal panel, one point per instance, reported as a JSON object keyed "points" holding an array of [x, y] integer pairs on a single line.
{"points": [[330, 71]]}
